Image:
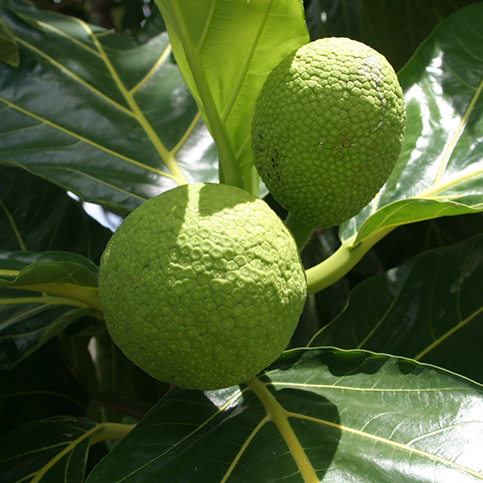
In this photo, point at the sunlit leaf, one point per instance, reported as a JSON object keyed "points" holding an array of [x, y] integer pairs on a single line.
{"points": [[104, 116], [225, 52], [440, 171], [317, 415]]}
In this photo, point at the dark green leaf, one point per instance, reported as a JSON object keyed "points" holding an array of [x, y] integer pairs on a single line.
{"points": [[393, 27], [37, 216], [316, 415], [440, 171], [429, 309], [68, 289], [99, 114], [116, 382], [48, 451], [43, 385], [8, 46]]}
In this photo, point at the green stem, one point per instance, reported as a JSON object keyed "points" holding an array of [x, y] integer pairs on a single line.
{"points": [[300, 231], [251, 182], [342, 261], [86, 295], [277, 414]]}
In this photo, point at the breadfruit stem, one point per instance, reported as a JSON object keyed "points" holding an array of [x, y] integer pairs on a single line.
{"points": [[300, 231], [342, 261]]}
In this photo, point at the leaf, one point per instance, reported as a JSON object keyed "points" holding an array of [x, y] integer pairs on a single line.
{"points": [[37, 216], [225, 51], [46, 268], [428, 309], [316, 415], [57, 450], [440, 171], [29, 318], [53, 450], [41, 386], [116, 381], [8, 46], [98, 114]]}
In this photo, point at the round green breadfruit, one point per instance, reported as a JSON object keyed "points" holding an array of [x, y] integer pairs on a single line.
{"points": [[327, 129], [202, 286]]}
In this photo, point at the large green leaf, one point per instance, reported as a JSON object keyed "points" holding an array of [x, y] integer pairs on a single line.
{"points": [[40, 295], [225, 50], [440, 171], [317, 415], [104, 116], [429, 309]]}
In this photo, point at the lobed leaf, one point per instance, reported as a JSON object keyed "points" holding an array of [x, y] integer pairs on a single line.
{"points": [[320, 414], [440, 171], [106, 117]]}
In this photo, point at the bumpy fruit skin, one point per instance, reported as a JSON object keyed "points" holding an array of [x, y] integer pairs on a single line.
{"points": [[328, 129], [202, 286]]}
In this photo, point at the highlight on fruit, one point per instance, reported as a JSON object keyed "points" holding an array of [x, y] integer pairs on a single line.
{"points": [[328, 129], [202, 286]]}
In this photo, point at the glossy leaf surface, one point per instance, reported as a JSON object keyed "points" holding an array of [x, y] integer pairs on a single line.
{"points": [[316, 415], [225, 52], [40, 295], [96, 113], [429, 309], [440, 171], [36, 215]]}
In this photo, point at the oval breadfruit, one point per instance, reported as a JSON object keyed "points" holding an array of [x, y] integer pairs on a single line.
{"points": [[328, 129]]}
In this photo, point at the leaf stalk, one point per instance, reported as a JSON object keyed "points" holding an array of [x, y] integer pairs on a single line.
{"points": [[86, 295], [342, 261]]}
